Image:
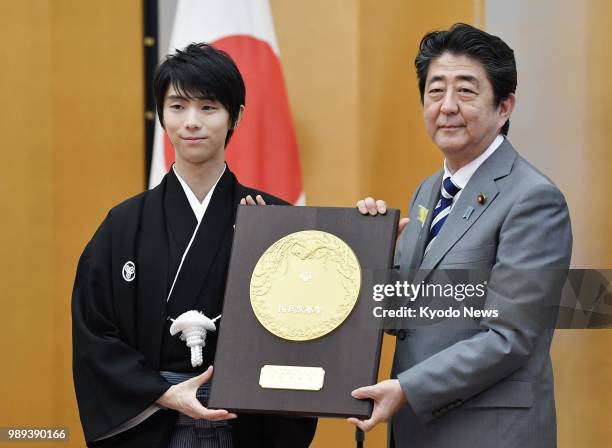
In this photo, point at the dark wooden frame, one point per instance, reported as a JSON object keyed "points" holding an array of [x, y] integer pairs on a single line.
{"points": [[350, 354]]}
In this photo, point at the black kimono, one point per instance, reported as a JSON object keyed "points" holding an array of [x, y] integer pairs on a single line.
{"points": [[121, 336]]}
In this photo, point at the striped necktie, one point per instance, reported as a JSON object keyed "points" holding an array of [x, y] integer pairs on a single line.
{"points": [[443, 208]]}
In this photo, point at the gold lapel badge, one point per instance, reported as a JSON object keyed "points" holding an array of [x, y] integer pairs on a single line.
{"points": [[481, 198], [423, 212]]}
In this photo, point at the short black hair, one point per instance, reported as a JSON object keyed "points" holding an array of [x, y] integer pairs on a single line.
{"points": [[201, 71], [461, 39]]}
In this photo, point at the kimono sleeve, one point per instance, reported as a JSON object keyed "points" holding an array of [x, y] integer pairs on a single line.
{"points": [[112, 380]]}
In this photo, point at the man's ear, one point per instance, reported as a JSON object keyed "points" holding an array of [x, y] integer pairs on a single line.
{"points": [[240, 114], [505, 108]]}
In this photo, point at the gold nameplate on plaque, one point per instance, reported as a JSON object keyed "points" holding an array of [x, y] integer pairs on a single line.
{"points": [[305, 285], [291, 377]]}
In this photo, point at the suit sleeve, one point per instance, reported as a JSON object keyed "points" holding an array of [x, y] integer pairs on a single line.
{"points": [[112, 380], [534, 247]]}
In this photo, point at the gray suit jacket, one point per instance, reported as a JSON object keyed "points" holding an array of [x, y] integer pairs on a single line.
{"points": [[489, 385]]}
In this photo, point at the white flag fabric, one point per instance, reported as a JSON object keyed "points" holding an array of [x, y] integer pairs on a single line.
{"points": [[263, 151]]}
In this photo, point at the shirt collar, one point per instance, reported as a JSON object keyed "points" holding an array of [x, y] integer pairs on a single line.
{"points": [[199, 208], [462, 176]]}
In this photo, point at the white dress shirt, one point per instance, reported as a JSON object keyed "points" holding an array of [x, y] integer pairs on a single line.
{"points": [[462, 176]]}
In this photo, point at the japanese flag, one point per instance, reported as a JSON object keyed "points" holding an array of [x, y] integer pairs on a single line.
{"points": [[263, 151]]}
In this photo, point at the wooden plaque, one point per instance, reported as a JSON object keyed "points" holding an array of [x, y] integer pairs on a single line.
{"points": [[257, 371]]}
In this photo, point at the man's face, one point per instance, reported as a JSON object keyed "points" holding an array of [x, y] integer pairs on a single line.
{"points": [[458, 108], [196, 127]]}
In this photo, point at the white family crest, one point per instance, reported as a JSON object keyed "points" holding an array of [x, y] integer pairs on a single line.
{"points": [[129, 271]]}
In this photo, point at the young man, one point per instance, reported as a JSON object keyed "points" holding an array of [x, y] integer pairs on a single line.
{"points": [[157, 255], [490, 383]]}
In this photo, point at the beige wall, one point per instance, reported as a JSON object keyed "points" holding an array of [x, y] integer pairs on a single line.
{"points": [[73, 146], [560, 124], [582, 361], [319, 48]]}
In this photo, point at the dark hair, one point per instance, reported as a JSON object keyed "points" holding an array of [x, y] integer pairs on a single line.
{"points": [[493, 53], [201, 71]]}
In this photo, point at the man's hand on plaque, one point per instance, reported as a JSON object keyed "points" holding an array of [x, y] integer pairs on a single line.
{"points": [[182, 397], [250, 201], [388, 397], [369, 206]]}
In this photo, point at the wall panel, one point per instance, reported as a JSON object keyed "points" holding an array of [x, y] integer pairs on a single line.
{"points": [[27, 332], [73, 147], [560, 125], [582, 362], [319, 48]]}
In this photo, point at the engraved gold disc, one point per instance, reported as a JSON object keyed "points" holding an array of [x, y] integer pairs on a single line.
{"points": [[305, 285]]}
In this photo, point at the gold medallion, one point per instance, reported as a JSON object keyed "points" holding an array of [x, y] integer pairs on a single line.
{"points": [[305, 285]]}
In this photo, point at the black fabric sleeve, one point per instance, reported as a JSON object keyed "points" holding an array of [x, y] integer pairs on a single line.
{"points": [[112, 380]]}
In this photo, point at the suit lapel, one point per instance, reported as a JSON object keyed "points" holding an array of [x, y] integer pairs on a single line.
{"points": [[456, 225], [423, 236], [498, 165]]}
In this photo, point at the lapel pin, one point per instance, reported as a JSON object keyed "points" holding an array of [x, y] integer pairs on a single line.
{"points": [[468, 212], [423, 212], [481, 198]]}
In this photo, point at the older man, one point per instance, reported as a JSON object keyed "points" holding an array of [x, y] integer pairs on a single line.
{"points": [[489, 385]]}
